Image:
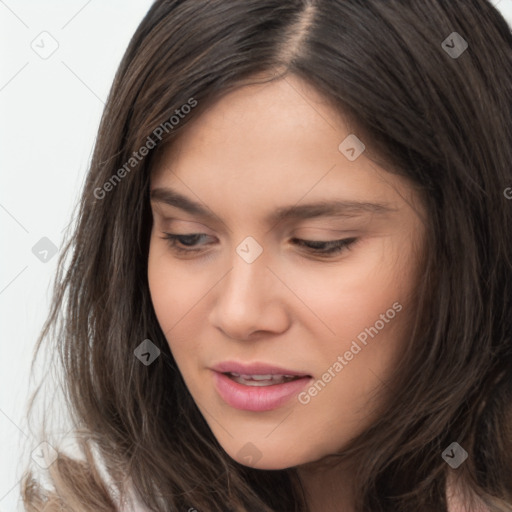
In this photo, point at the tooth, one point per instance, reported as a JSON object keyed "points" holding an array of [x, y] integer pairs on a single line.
{"points": [[263, 377], [250, 382], [255, 383], [261, 380]]}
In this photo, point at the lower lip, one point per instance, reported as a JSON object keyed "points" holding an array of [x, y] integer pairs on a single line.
{"points": [[257, 398]]}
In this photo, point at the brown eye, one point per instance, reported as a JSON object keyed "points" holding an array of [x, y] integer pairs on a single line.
{"points": [[188, 240], [326, 248]]}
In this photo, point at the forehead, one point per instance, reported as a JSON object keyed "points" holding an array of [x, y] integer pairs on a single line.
{"points": [[285, 121], [268, 147]]}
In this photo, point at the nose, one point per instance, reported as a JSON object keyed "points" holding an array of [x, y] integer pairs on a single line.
{"points": [[249, 300]]}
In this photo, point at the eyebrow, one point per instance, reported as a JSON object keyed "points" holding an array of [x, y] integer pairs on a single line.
{"points": [[326, 208]]}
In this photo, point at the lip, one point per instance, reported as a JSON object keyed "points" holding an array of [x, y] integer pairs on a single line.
{"points": [[256, 398], [254, 369]]}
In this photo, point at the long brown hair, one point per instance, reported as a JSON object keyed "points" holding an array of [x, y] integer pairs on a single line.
{"points": [[429, 108]]}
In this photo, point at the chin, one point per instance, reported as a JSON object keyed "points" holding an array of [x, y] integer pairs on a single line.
{"points": [[251, 457], [267, 465]]}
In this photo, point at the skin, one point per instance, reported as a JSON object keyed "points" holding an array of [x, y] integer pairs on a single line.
{"points": [[259, 148]]}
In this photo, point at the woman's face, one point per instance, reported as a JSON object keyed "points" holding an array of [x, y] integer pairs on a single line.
{"points": [[247, 291]]}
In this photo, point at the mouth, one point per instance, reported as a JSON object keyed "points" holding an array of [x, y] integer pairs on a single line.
{"points": [[268, 379], [258, 392]]}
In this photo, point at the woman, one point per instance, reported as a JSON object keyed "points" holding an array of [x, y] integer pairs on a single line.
{"points": [[289, 287]]}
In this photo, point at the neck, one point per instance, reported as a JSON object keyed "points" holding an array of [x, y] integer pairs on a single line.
{"points": [[327, 487]]}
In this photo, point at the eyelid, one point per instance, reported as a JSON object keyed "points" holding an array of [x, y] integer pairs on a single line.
{"points": [[331, 249], [192, 227], [324, 234]]}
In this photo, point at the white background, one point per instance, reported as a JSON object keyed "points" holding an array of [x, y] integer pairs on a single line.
{"points": [[49, 114]]}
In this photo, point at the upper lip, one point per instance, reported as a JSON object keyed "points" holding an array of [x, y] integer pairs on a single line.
{"points": [[255, 369]]}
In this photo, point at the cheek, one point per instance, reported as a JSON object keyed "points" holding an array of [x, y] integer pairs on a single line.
{"points": [[171, 291], [347, 296], [163, 296], [179, 299]]}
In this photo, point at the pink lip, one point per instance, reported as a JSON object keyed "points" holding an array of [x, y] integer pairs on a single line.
{"points": [[257, 398], [254, 369]]}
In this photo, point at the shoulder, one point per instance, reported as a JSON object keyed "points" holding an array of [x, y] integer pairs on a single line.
{"points": [[456, 501], [130, 501]]}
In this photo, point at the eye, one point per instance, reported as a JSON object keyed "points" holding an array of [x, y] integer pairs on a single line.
{"points": [[326, 248], [189, 242], [185, 240]]}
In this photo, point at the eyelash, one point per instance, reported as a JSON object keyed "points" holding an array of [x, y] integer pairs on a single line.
{"points": [[332, 247]]}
